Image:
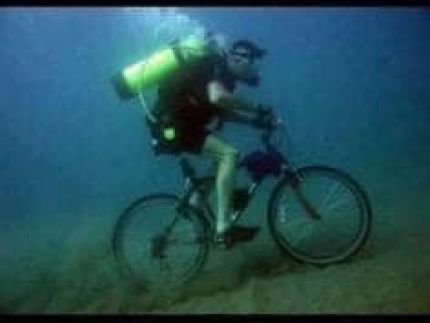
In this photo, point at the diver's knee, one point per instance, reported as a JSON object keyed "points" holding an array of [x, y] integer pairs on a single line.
{"points": [[231, 156]]}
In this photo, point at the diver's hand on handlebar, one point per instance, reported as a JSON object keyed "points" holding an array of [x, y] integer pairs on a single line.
{"points": [[263, 110], [264, 118]]}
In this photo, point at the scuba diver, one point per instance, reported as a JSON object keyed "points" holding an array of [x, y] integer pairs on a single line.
{"points": [[193, 102]]}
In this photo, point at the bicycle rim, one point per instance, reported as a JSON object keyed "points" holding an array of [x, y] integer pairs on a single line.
{"points": [[344, 212], [140, 251]]}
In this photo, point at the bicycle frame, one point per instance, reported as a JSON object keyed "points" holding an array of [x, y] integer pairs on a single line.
{"points": [[258, 164]]}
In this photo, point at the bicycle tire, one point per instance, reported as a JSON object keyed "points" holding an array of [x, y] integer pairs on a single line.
{"points": [[360, 197]]}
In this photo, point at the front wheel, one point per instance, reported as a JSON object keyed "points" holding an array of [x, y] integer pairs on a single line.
{"points": [[321, 216]]}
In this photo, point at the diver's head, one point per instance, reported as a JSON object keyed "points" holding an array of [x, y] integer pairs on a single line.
{"points": [[241, 60]]}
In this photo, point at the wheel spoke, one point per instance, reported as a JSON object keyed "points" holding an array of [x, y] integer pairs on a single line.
{"points": [[328, 195], [335, 205]]}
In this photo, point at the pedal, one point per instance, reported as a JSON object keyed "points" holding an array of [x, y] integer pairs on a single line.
{"points": [[235, 235], [223, 242]]}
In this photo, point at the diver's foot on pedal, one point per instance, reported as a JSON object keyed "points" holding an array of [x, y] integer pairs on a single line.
{"points": [[222, 240], [235, 233]]}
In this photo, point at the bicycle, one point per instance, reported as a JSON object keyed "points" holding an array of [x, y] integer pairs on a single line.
{"points": [[303, 224]]}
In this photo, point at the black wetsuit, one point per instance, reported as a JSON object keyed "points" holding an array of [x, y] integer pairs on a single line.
{"points": [[184, 105]]}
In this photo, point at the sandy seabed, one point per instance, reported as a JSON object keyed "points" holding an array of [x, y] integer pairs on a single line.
{"points": [[390, 275]]}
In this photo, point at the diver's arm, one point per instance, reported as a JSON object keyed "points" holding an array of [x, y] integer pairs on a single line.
{"points": [[224, 99], [231, 107], [236, 117]]}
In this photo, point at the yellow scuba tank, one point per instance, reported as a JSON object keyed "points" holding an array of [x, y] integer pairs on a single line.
{"points": [[147, 72]]}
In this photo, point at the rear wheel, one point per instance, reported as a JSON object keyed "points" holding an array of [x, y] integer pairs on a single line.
{"points": [[155, 243], [323, 218]]}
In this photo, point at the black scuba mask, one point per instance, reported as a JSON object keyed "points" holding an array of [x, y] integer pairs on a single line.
{"points": [[245, 69]]}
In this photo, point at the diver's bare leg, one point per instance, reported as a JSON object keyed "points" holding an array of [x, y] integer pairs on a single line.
{"points": [[226, 156]]}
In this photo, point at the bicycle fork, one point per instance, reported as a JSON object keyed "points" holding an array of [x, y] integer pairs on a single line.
{"points": [[296, 180]]}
